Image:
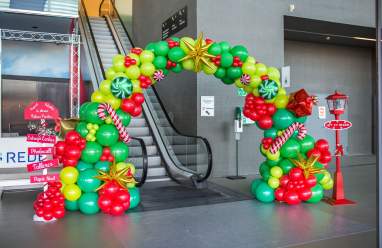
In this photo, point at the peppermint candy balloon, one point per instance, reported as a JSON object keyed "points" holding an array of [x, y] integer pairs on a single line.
{"points": [[245, 79], [121, 87], [158, 75], [268, 89]]}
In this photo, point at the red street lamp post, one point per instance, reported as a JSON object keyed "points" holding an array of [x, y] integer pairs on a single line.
{"points": [[337, 103]]}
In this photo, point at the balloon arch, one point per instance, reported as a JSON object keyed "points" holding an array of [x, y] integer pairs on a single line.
{"points": [[95, 176]]}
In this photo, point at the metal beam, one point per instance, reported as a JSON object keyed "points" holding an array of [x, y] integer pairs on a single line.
{"points": [[21, 35]]}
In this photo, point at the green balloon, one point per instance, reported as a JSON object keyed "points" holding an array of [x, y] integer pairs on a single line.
{"points": [[150, 47], [87, 181], [301, 119], [264, 193], [125, 117], [266, 175], [319, 176], [161, 48], [290, 149], [307, 143], [264, 167], [240, 51], [83, 111], [272, 163], [286, 165], [81, 166], [174, 38], [282, 119], [227, 80], [88, 203], [81, 129], [92, 152], [134, 197], [120, 151], [215, 49], [175, 54], [160, 62], [317, 194], [107, 135], [71, 205], [254, 185], [234, 72], [220, 73], [102, 165], [226, 59], [178, 68], [165, 71], [270, 133], [91, 114], [225, 46]]}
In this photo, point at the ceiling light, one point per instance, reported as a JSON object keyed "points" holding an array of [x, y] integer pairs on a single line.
{"points": [[327, 38]]}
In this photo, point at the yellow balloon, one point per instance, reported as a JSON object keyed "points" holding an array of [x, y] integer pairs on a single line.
{"points": [[270, 100], [110, 73], [248, 68], [255, 92], [97, 96], [133, 72], [328, 185], [146, 56], [118, 57], [273, 73], [104, 87], [136, 86], [255, 81], [273, 182], [147, 69], [272, 156], [282, 91], [263, 150], [251, 60], [130, 185], [120, 166], [188, 64], [248, 89], [238, 83], [281, 101], [183, 46], [326, 178], [69, 175], [209, 71], [114, 102], [72, 192], [261, 69], [132, 168], [136, 57]]}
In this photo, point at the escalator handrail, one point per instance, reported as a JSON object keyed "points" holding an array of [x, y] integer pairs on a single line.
{"points": [[145, 161], [93, 38], [208, 146]]}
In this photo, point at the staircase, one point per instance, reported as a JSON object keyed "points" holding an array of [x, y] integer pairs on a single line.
{"points": [[138, 126]]}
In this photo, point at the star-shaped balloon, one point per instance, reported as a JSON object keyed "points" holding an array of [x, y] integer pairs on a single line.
{"points": [[199, 54], [122, 177], [307, 165]]}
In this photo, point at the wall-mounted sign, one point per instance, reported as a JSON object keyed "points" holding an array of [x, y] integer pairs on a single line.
{"points": [[174, 23], [321, 112], [207, 106], [337, 124], [285, 76], [41, 110]]}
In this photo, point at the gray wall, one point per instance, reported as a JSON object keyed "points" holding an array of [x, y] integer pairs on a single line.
{"points": [[257, 24], [178, 91]]}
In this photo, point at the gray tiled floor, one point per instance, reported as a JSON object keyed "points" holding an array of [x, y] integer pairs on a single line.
{"points": [[237, 224]]}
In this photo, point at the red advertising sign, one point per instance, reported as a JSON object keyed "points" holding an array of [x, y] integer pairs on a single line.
{"points": [[40, 150], [44, 178], [41, 110], [42, 165], [337, 124], [51, 139]]}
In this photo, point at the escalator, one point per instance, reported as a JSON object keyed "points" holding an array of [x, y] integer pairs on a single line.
{"points": [[171, 154]]}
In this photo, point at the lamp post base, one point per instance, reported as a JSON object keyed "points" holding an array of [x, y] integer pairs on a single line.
{"points": [[335, 202], [235, 177]]}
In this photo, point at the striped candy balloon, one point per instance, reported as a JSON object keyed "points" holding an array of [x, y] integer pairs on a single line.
{"points": [[121, 87], [280, 140]]}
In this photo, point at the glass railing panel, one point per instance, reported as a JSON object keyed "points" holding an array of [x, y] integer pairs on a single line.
{"points": [[52, 7]]}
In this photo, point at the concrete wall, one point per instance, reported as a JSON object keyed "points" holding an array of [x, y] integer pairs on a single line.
{"points": [[178, 92], [257, 24]]}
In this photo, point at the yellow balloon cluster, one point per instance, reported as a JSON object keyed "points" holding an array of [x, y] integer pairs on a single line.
{"points": [[69, 176]]}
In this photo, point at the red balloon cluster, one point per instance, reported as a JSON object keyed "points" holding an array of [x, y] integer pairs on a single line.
{"points": [[133, 105], [172, 43], [50, 204], [257, 109], [144, 81], [69, 151], [208, 41], [136, 50], [237, 62], [294, 187], [321, 150], [106, 155], [129, 61], [217, 60], [113, 199], [267, 142]]}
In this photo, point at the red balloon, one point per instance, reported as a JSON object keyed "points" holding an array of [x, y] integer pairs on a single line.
{"points": [[39, 212], [106, 210], [290, 186], [259, 101], [322, 145], [279, 194], [48, 215], [247, 112], [69, 162], [116, 209], [304, 194], [250, 97], [314, 152], [59, 148], [325, 157], [48, 204], [284, 180], [296, 174], [138, 98], [59, 212], [253, 115], [291, 197], [126, 205], [137, 111], [122, 196], [104, 202], [72, 137], [271, 109], [311, 181], [111, 188], [72, 152], [265, 122], [128, 105]]}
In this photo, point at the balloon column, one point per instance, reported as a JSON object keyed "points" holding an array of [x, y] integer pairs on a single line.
{"points": [[96, 177]]}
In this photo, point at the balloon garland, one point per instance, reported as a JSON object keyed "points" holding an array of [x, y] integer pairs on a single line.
{"points": [[96, 177]]}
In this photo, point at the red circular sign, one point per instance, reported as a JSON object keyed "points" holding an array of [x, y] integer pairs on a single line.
{"points": [[337, 124]]}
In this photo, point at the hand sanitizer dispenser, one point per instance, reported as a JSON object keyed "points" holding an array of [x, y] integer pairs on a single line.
{"points": [[238, 120]]}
